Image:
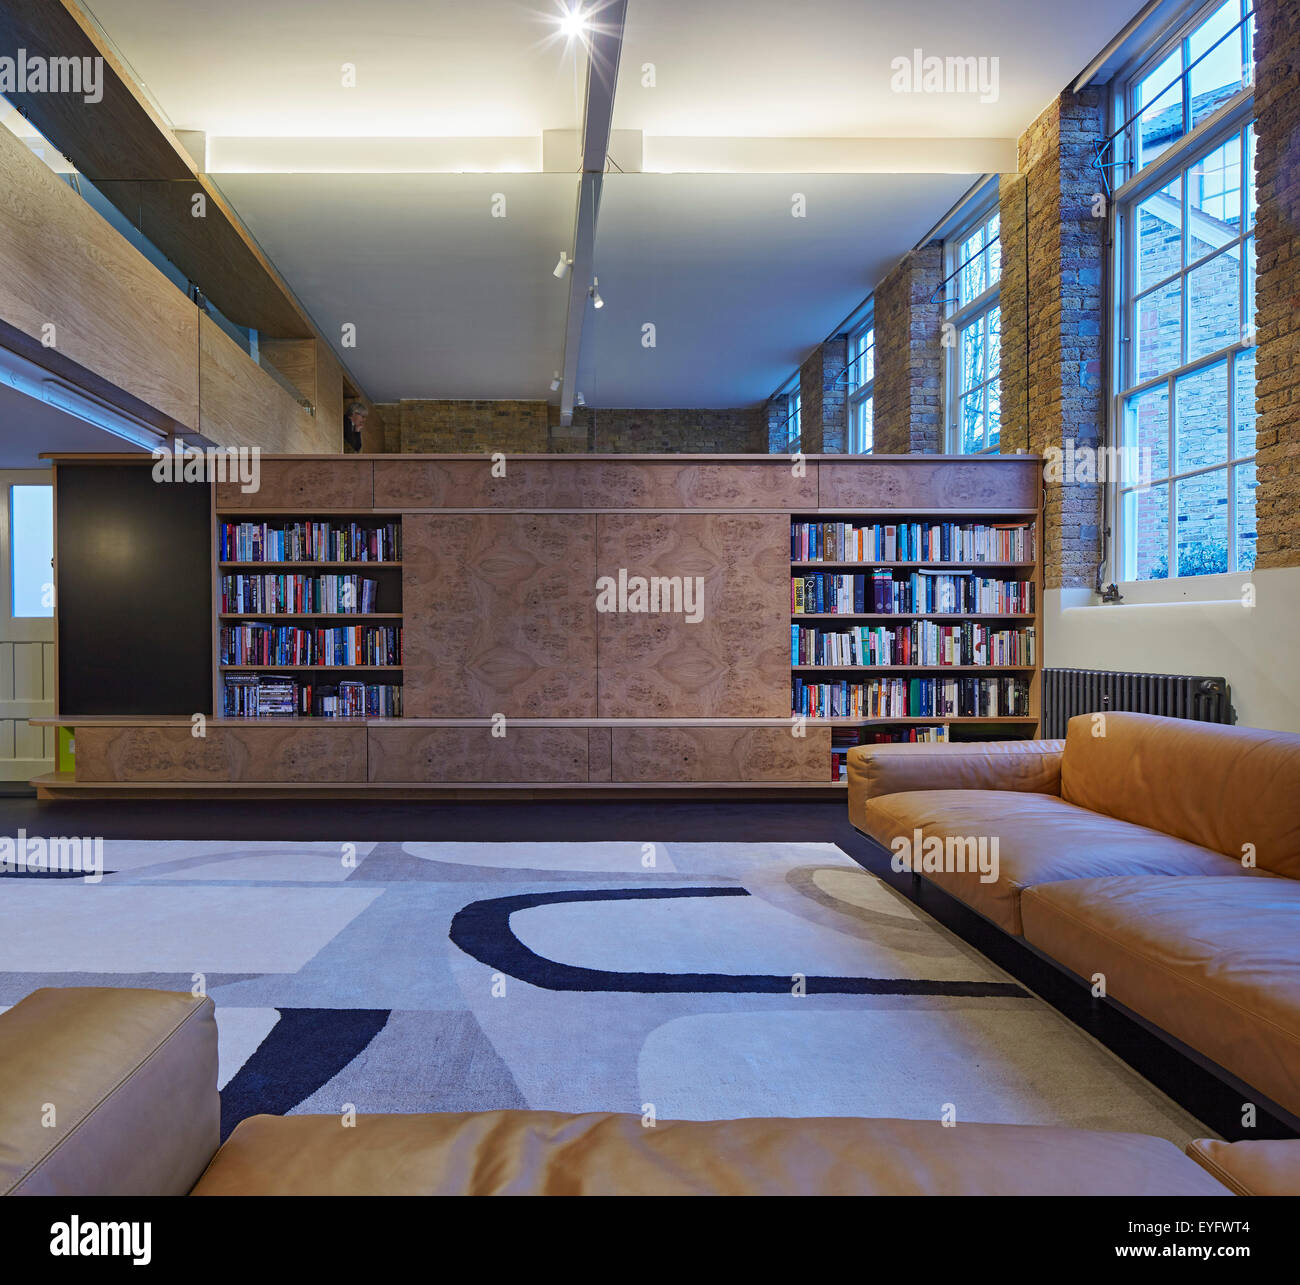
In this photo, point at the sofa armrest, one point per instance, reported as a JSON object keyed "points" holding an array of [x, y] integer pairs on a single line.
{"points": [[1033, 767], [107, 1091], [1263, 1167]]}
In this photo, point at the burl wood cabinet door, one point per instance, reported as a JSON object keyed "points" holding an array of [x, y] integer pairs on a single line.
{"points": [[732, 660], [499, 615]]}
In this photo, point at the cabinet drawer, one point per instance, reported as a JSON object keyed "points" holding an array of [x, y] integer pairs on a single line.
{"points": [[297, 755]]}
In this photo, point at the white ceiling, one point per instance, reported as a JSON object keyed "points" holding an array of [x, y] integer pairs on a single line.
{"points": [[448, 301], [423, 68], [452, 303], [736, 288], [28, 427], [822, 68]]}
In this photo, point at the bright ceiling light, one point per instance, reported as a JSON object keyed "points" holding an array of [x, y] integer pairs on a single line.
{"points": [[561, 269], [573, 22], [596, 300]]}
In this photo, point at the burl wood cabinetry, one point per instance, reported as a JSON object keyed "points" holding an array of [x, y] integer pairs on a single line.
{"points": [[517, 671]]}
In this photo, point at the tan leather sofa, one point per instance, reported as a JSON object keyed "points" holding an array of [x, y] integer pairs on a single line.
{"points": [[1160, 853], [132, 1078]]}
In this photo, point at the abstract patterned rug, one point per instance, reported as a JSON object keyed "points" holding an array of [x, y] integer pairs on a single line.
{"points": [[694, 980]]}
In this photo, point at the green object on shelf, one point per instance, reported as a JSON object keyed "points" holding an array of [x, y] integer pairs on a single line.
{"points": [[66, 752]]}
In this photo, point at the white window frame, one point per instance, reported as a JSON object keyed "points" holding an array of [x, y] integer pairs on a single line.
{"points": [[958, 318], [1133, 186], [861, 377]]}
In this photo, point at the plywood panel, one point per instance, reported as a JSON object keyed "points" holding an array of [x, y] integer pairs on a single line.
{"points": [[1004, 482], [213, 250], [499, 615], [112, 311], [310, 366], [593, 484], [733, 663], [759, 754], [433, 754], [306, 486], [241, 405], [289, 754], [329, 395]]}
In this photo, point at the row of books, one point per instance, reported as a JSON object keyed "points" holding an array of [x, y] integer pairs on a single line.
{"points": [[966, 697], [250, 643], [274, 696], [880, 591], [911, 542], [922, 642], [309, 542], [297, 594], [885, 736]]}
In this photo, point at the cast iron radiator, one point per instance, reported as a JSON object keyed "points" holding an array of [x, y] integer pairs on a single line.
{"points": [[1067, 692]]}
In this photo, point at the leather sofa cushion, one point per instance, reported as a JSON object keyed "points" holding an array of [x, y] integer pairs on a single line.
{"points": [[873, 770], [1041, 839], [546, 1153], [1221, 787], [1266, 1167], [1215, 962], [132, 1077]]}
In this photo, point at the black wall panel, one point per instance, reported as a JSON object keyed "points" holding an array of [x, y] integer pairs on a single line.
{"points": [[134, 592]]}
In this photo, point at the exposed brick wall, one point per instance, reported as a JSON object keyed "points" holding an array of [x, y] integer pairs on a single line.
{"points": [[383, 434], [430, 427], [810, 404], [1277, 316], [532, 427], [778, 428], [909, 356], [1057, 395], [738, 431], [824, 404]]}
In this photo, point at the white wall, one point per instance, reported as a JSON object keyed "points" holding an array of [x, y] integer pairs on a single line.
{"points": [[1257, 649]]}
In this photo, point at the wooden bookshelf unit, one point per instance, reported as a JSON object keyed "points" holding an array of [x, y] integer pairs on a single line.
{"points": [[846, 556], [513, 677]]}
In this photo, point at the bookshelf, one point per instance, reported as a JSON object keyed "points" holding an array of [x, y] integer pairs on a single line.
{"points": [[963, 664], [321, 637], [491, 581]]}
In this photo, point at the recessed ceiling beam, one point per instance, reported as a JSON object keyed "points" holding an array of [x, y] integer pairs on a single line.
{"points": [[605, 47]]}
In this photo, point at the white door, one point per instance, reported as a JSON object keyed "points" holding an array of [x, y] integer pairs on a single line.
{"points": [[26, 622]]}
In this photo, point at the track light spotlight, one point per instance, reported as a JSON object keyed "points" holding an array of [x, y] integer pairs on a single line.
{"points": [[556, 381], [596, 300], [561, 269]]}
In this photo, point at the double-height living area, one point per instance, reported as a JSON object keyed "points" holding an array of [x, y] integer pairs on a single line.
{"points": [[651, 597]]}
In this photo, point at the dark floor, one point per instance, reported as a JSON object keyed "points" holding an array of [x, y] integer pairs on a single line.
{"points": [[1206, 1095]]}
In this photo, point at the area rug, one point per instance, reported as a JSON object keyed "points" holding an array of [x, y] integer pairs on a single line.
{"points": [[688, 980]]}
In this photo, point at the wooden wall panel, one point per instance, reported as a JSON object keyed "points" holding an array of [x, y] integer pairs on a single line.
{"points": [[499, 615], [306, 486], [600, 754], [769, 755], [296, 755], [428, 755], [241, 405], [734, 663], [311, 367], [593, 484], [930, 483], [113, 312]]}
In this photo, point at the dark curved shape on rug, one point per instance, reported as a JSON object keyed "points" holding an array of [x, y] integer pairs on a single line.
{"points": [[306, 1048], [482, 930]]}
